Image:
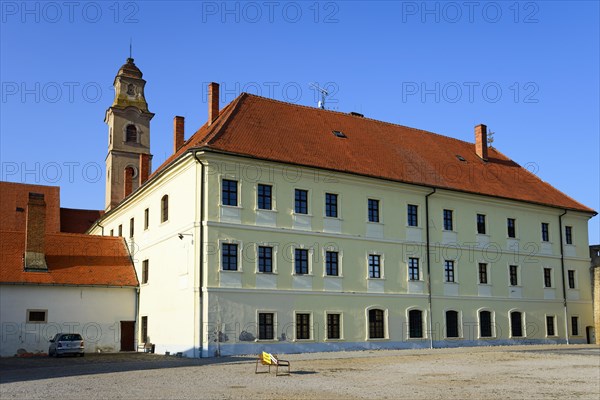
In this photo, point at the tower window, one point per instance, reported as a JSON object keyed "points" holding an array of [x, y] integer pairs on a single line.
{"points": [[131, 134]]}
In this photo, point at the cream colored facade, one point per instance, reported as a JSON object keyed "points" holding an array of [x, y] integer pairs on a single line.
{"points": [[193, 306]]}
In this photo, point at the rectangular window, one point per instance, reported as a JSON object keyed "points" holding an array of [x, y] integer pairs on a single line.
{"points": [[144, 331], [37, 316], [120, 230], [164, 208], [449, 270], [229, 192], [331, 263], [413, 269], [568, 234], [545, 232], [112, 232], [448, 220], [145, 271], [547, 277], [412, 215], [265, 259], [131, 227], [376, 324], [303, 326], [373, 206], [374, 266], [331, 205], [485, 324], [265, 199], [481, 224], [483, 273], [301, 261], [550, 325], [229, 256], [146, 218], [333, 326], [301, 201], [575, 326], [571, 276], [265, 326], [511, 227], [514, 279], [415, 324]]}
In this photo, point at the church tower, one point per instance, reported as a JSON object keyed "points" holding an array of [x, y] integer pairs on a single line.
{"points": [[128, 119]]}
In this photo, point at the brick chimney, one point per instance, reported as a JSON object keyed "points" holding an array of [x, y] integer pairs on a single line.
{"points": [[128, 181], [144, 168], [213, 102], [481, 145], [35, 237], [178, 133]]}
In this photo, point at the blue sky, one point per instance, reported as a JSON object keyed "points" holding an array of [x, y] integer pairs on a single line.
{"points": [[529, 70]]}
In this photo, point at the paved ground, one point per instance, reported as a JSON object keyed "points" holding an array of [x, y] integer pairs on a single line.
{"points": [[517, 372]]}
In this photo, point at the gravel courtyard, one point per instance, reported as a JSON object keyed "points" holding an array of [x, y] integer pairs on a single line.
{"points": [[516, 372]]}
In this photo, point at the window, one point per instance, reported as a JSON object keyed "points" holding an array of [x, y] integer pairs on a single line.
{"points": [[131, 227], [333, 326], [511, 226], [301, 201], [331, 205], [131, 134], [120, 230], [412, 215], [452, 324], [301, 261], [37, 316], [448, 220], [302, 326], [575, 326], [265, 326], [513, 275], [481, 224], [331, 263], [569, 234], [545, 232], [547, 277], [516, 324], [550, 325], [485, 324], [146, 218], [413, 269], [229, 255], [164, 208], [144, 334], [449, 270], [483, 273], [112, 232], [374, 266], [373, 206], [376, 324], [415, 324], [571, 276], [145, 271], [265, 200], [265, 259], [229, 192]]}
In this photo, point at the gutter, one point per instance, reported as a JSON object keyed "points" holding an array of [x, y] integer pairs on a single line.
{"points": [[199, 341], [429, 294], [562, 268]]}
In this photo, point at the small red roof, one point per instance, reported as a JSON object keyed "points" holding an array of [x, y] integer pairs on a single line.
{"points": [[267, 129], [73, 220], [73, 259]]}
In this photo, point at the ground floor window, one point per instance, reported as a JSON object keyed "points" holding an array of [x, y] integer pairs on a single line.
{"points": [[415, 324], [302, 326], [485, 324], [37, 316], [516, 324], [376, 324], [452, 324], [550, 325], [333, 326], [575, 326], [265, 326], [144, 334]]}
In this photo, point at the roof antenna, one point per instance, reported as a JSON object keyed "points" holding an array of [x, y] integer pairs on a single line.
{"points": [[130, 48], [324, 93]]}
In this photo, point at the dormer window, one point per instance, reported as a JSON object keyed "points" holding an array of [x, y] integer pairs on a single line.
{"points": [[131, 134]]}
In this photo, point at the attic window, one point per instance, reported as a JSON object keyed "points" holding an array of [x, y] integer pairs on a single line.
{"points": [[339, 134], [460, 158], [20, 209]]}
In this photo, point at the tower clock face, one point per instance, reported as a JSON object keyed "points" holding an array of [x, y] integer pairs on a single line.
{"points": [[130, 89]]}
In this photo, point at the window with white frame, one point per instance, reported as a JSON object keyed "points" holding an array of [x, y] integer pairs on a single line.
{"points": [[374, 266], [414, 273], [331, 263], [334, 323], [265, 259], [229, 256], [266, 326], [547, 277], [301, 261], [449, 272], [571, 278], [550, 325], [516, 324], [229, 192], [452, 324], [302, 326], [415, 324], [376, 324], [485, 324], [483, 273]]}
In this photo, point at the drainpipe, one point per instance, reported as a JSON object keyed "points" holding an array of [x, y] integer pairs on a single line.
{"points": [[428, 266], [562, 268], [199, 341]]}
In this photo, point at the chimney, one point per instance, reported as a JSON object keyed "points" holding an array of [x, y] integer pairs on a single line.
{"points": [[178, 130], [128, 180], [144, 168], [35, 236], [213, 102], [481, 145]]}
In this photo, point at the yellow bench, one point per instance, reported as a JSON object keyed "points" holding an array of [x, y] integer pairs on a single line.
{"points": [[269, 360]]}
